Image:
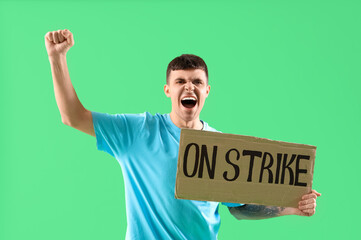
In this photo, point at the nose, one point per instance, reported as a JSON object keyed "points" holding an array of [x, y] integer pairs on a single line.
{"points": [[189, 87]]}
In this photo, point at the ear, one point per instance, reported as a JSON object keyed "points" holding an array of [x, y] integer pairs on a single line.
{"points": [[167, 90], [208, 89]]}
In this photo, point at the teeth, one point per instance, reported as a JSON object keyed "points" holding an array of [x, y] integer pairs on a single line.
{"points": [[189, 98]]}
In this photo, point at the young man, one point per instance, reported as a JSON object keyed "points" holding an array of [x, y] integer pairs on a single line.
{"points": [[146, 147]]}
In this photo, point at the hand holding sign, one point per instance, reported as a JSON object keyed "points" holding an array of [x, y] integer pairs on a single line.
{"points": [[307, 206]]}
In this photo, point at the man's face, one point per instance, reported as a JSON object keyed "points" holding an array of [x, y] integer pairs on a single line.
{"points": [[188, 90]]}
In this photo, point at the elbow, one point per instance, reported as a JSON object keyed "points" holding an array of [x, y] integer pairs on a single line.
{"points": [[65, 121], [235, 213], [237, 217]]}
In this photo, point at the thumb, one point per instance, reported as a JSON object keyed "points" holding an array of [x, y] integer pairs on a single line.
{"points": [[65, 32], [317, 193], [68, 36]]}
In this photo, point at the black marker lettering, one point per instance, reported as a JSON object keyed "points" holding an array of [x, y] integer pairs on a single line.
{"points": [[236, 168], [298, 170], [185, 171], [287, 165], [204, 157], [279, 159], [270, 175], [252, 154]]}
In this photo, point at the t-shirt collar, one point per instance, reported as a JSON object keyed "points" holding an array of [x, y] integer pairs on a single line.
{"points": [[176, 130]]}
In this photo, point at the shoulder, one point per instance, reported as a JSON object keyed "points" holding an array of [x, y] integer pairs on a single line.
{"points": [[125, 120], [137, 117], [209, 128], [146, 120], [150, 118]]}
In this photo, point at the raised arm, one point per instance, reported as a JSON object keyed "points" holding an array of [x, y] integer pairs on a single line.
{"points": [[71, 110]]}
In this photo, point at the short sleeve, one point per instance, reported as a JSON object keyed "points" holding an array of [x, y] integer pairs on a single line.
{"points": [[115, 133], [232, 204]]}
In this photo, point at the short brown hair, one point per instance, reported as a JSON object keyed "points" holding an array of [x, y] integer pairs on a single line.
{"points": [[187, 61]]}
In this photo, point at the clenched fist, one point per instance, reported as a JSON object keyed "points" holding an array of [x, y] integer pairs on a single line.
{"points": [[58, 42]]}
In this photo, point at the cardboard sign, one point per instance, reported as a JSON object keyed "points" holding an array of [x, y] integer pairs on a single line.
{"points": [[242, 169]]}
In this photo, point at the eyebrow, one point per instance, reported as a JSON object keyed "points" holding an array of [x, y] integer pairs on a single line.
{"points": [[192, 79]]}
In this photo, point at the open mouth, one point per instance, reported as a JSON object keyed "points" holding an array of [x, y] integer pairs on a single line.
{"points": [[189, 102]]}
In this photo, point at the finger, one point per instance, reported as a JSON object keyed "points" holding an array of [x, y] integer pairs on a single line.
{"points": [[61, 37], [301, 213], [308, 214], [307, 201], [69, 37], [309, 211], [304, 214], [307, 196], [56, 38], [49, 36], [317, 193], [65, 33], [307, 206]]}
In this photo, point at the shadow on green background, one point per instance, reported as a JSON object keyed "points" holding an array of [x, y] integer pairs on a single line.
{"points": [[278, 69]]}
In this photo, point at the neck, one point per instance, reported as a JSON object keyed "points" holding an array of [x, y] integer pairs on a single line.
{"points": [[194, 123]]}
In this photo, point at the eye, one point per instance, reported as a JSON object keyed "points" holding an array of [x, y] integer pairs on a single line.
{"points": [[198, 82]]}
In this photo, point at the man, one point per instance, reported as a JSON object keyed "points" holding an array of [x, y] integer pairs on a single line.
{"points": [[146, 147]]}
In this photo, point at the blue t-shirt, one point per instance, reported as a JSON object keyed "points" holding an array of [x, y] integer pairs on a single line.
{"points": [[146, 147]]}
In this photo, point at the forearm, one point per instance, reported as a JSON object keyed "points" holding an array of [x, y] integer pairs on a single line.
{"points": [[255, 212], [66, 97]]}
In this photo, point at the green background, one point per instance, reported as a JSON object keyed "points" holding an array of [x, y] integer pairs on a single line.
{"points": [[283, 70]]}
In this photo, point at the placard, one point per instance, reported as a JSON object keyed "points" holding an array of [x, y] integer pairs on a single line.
{"points": [[234, 168]]}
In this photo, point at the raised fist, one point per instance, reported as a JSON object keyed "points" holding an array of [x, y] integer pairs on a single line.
{"points": [[58, 42]]}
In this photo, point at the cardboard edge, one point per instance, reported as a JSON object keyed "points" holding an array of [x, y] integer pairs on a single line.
{"points": [[195, 132]]}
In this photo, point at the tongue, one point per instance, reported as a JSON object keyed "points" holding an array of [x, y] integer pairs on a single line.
{"points": [[188, 105]]}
